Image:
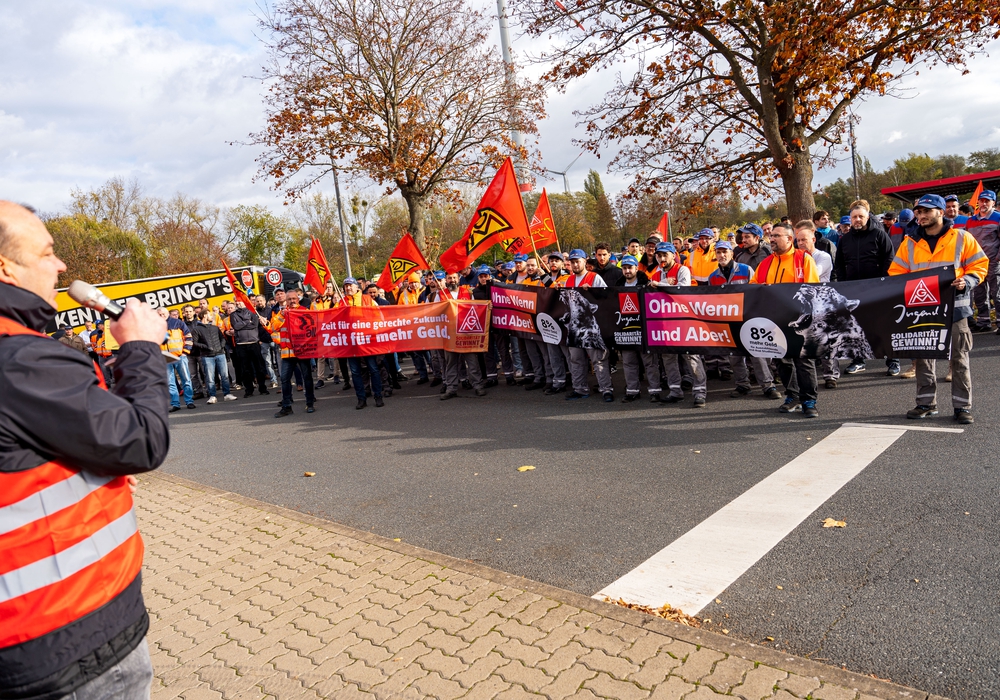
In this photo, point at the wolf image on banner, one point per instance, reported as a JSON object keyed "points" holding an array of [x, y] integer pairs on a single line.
{"points": [[582, 330], [827, 325]]}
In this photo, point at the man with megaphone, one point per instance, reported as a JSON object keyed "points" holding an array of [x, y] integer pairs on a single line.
{"points": [[72, 617]]}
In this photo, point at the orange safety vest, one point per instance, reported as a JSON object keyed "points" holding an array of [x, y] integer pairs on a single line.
{"points": [[587, 279], [69, 542], [667, 276], [798, 265]]}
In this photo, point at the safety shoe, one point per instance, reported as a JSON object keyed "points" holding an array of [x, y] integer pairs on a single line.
{"points": [[739, 391], [174, 409], [772, 393], [791, 405], [909, 373], [699, 402], [533, 386], [552, 390], [480, 392], [211, 400], [310, 409], [286, 411], [831, 383], [809, 409], [448, 395], [654, 397], [423, 380], [379, 403], [361, 404], [922, 411], [264, 392], [892, 370], [191, 405], [320, 384], [572, 396], [672, 399], [629, 398], [963, 416], [336, 380], [489, 382], [511, 381], [855, 367], [687, 384], [608, 397]]}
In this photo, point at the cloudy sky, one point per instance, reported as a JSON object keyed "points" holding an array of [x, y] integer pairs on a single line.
{"points": [[157, 90]]}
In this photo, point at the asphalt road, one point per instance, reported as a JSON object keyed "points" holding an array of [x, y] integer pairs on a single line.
{"points": [[908, 591]]}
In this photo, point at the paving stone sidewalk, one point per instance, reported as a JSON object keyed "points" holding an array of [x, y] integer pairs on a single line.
{"points": [[248, 600]]}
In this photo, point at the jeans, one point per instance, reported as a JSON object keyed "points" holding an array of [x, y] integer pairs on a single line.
{"points": [[288, 367], [129, 679], [178, 371], [359, 381], [265, 352], [209, 366]]}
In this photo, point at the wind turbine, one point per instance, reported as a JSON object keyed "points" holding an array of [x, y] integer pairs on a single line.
{"points": [[563, 173]]}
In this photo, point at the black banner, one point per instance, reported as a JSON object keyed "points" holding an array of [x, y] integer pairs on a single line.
{"points": [[906, 316]]}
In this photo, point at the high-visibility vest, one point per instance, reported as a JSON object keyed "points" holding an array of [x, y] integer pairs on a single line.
{"points": [[702, 263], [69, 542], [279, 334], [588, 278], [798, 265], [666, 276]]}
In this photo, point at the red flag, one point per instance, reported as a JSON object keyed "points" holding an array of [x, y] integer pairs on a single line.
{"points": [[543, 230], [499, 216], [975, 195], [317, 269], [405, 258], [238, 291], [663, 228]]}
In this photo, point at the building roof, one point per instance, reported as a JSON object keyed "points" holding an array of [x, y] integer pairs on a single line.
{"points": [[963, 184]]}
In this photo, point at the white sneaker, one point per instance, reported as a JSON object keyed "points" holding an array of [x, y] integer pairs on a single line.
{"points": [[212, 399], [275, 385], [228, 397]]}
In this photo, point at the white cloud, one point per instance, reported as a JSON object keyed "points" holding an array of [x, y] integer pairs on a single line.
{"points": [[894, 136]]}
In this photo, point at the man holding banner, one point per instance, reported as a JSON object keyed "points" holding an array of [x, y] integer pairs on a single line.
{"points": [[453, 361], [788, 265], [354, 297], [936, 243]]}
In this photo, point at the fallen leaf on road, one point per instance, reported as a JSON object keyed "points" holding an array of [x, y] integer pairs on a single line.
{"points": [[781, 588], [310, 474], [770, 639], [526, 468], [830, 522], [397, 539], [725, 631], [697, 452], [666, 612], [718, 601]]}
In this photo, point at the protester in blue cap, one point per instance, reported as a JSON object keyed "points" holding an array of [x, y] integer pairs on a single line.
{"points": [[865, 252], [732, 272], [632, 357], [487, 360], [984, 226], [842, 227], [702, 259], [952, 211], [582, 358], [752, 250]]}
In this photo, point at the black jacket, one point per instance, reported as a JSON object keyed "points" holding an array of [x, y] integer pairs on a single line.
{"points": [[207, 339], [245, 325], [864, 253], [612, 274], [53, 408]]}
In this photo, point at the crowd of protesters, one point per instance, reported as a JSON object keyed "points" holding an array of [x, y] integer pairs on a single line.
{"points": [[229, 349]]}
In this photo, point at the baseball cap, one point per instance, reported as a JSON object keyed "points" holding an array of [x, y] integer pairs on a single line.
{"points": [[845, 221], [653, 239], [666, 248], [629, 260], [633, 240], [350, 280], [949, 198], [706, 233], [439, 274], [577, 254], [988, 194], [483, 270], [723, 244], [555, 254], [508, 266], [752, 229], [520, 257], [906, 216], [932, 201], [891, 215]]}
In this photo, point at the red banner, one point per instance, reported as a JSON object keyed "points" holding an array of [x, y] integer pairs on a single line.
{"points": [[354, 331]]}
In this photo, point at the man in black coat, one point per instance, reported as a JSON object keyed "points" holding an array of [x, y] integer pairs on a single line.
{"points": [[246, 330], [864, 252], [73, 615]]}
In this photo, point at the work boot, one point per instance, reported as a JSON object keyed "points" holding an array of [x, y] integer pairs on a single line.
{"points": [[480, 392], [909, 373], [772, 393], [831, 383], [791, 405], [922, 411], [285, 411], [699, 402], [448, 395], [379, 403], [963, 416], [739, 391], [629, 398], [361, 404]]}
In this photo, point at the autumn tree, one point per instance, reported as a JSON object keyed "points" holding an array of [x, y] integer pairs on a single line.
{"points": [[604, 219], [744, 93], [408, 95]]}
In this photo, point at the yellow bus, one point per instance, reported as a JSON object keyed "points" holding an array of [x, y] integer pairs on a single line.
{"points": [[174, 291]]}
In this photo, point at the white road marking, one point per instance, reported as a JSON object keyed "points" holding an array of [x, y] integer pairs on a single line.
{"points": [[699, 565], [924, 428]]}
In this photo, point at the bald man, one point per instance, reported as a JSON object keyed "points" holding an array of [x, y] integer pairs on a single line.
{"points": [[73, 617]]}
